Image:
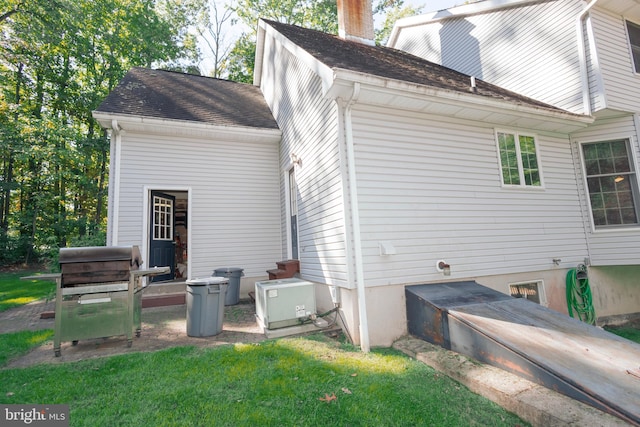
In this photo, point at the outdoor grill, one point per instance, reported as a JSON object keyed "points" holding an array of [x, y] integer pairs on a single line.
{"points": [[99, 293]]}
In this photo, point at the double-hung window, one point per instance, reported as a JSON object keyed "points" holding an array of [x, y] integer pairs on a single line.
{"points": [[633, 30], [519, 164], [612, 183]]}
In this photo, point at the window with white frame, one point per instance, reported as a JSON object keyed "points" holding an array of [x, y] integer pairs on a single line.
{"points": [[612, 183], [633, 30], [532, 291], [519, 164]]}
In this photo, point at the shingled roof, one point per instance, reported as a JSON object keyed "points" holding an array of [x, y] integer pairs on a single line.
{"points": [[177, 96], [390, 63]]}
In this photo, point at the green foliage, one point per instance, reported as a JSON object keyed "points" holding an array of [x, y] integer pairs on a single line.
{"points": [[630, 332], [315, 14], [241, 59], [15, 292], [16, 344], [284, 382], [392, 11]]}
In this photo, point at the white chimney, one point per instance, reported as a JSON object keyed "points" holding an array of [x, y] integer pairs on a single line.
{"points": [[355, 21]]}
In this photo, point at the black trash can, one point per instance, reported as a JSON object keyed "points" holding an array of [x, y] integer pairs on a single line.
{"points": [[233, 274], [205, 306]]}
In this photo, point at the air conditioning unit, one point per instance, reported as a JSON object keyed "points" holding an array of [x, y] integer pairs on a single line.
{"points": [[284, 302]]}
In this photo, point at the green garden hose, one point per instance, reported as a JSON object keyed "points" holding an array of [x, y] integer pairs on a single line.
{"points": [[579, 295]]}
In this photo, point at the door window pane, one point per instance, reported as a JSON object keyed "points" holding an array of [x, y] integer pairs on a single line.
{"points": [[162, 218]]}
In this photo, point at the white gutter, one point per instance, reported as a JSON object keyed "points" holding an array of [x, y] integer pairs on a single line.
{"points": [[582, 57], [451, 97], [355, 220], [152, 125], [114, 172]]}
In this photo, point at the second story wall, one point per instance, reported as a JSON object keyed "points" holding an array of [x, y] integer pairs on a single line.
{"points": [[620, 83], [530, 49]]}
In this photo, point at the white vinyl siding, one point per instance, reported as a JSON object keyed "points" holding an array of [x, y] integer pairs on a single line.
{"points": [[310, 131], [235, 215], [430, 186], [621, 82], [529, 49], [609, 246]]}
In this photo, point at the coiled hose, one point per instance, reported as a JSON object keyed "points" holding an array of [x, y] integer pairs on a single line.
{"points": [[579, 298]]}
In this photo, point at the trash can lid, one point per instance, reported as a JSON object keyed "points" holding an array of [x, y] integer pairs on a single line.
{"points": [[213, 280], [229, 269]]}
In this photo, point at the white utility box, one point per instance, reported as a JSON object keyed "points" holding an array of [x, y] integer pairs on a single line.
{"points": [[284, 302]]}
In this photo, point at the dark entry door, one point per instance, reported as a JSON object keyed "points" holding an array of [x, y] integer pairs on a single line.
{"points": [[161, 240]]}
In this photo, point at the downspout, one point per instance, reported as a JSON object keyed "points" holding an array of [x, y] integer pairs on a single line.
{"points": [[355, 219], [586, 103], [582, 57], [114, 184]]}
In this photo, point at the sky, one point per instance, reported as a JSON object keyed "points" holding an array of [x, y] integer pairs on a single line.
{"points": [[433, 5]]}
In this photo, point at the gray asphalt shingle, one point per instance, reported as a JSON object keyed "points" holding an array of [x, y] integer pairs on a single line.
{"points": [[178, 96]]}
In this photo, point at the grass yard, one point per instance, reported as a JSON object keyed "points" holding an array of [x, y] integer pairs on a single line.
{"points": [[287, 382], [18, 343], [15, 292], [630, 332]]}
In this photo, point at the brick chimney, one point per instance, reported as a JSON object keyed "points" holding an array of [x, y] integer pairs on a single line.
{"points": [[355, 21]]}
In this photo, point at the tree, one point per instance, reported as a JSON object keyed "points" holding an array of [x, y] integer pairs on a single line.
{"points": [[212, 28], [392, 10]]}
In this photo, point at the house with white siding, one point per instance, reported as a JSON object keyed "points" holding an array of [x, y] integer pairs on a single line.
{"points": [[583, 57], [193, 173], [376, 169]]}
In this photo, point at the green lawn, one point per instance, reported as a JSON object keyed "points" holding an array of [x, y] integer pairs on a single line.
{"points": [[15, 292], [630, 332], [289, 382], [16, 344]]}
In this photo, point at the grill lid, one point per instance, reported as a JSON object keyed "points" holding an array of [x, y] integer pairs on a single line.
{"points": [[101, 253]]}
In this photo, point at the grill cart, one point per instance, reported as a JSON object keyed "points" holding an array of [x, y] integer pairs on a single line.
{"points": [[98, 293]]}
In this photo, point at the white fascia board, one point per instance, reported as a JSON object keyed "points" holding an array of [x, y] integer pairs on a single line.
{"points": [[152, 125], [344, 80], [323, 71], [454, 12], [259, 58]]}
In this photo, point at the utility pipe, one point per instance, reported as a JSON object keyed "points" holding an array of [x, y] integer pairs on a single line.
{"points": [[582, 57], [114, 187], [355, 219]]}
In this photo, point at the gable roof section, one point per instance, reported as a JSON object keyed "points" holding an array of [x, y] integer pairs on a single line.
{"points": [[168, 95], [390, 63]]}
